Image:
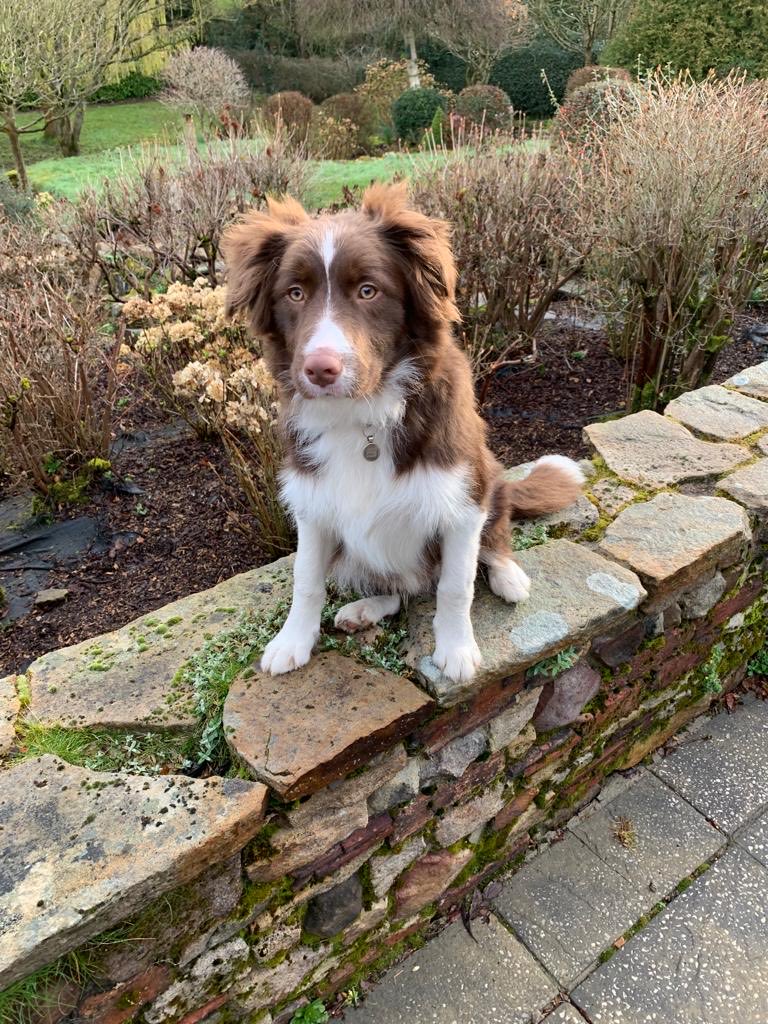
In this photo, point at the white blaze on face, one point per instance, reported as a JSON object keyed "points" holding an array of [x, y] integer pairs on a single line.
{"points": [[327, 333]]}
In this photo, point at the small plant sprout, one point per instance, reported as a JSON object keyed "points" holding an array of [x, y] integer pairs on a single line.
{"points": [[624, 833], [313, 1013], [560, 662]]}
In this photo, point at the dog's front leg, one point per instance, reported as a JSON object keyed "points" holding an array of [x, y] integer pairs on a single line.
{"points": [[456, 653], [292, 647]]}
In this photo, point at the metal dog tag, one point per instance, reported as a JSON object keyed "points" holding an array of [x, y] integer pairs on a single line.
{"points": [[371, 451]]}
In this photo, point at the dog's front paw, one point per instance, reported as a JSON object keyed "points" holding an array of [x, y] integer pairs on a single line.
{"points": [[286, 652], [458, 662]]}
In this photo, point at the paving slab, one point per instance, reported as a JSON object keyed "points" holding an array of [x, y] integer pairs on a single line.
{"points": [[575, 595], [455, 980], [648, 449], [565, 1013], [754, 839], [664, 838], [719, 413], [674, 539], [753, 381], [568, 906], [81, 851], [749, 485], [299, 732], [722, 768], [125, 679], [703, 960]]}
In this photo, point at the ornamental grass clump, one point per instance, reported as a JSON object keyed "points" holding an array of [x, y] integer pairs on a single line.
{"points": [[679, 204]]}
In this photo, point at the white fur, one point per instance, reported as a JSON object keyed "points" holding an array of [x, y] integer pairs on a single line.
{"points": [[456, 653], [383, 521], [568, 466], [328, 334], [328, 251], [507, 580], [292, 647], [366, 612]]}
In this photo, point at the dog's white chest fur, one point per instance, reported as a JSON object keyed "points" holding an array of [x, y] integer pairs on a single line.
{"points": [[382, 521]]}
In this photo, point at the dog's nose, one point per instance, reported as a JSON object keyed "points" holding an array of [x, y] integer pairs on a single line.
{"points": [[323, 367]]}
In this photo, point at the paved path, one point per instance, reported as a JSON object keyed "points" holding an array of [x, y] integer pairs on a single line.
{"points": [[687, 890]]}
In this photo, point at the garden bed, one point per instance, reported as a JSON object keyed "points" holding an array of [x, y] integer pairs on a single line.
{"points": [[188, 527]]}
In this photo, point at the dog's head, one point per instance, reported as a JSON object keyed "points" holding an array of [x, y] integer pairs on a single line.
{"points": [[341, 299]]}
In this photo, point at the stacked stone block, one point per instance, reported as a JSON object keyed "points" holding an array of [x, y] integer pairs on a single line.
{"points": [[369, 806]]}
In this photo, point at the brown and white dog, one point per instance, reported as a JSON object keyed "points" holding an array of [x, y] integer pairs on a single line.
{"points": [[388, 473]]}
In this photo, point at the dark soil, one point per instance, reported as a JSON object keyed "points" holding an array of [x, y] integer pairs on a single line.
{"points": [[188, 528]]}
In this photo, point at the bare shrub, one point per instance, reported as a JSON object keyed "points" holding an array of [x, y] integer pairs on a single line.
{"points": [[291, 110], [518, 237], [679, 200], [212, 371], [57, 367], [162, 218], [594, 73], [207, 84], [332, 138]]}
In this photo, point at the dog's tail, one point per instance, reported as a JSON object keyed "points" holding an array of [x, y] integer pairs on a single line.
{"points": [[553, 483]]}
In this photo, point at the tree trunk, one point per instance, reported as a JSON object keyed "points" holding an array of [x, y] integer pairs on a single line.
{"points": [[414, 82], [51, 129], [70, 126], [9, 127]]}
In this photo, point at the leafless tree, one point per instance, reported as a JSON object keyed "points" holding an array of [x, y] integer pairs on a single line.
{"points": [[478, 31], [579, 26]]}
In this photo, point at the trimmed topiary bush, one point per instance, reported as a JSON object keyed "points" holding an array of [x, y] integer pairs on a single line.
{"points": [[592, 109], [594, 73], [413, 111], [484, 104], [135, 86], [350, 107], [293, 109], [518, 73]]}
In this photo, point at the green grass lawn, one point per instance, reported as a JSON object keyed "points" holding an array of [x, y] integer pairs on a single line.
{"points": [[106, 127], [110, 129]]}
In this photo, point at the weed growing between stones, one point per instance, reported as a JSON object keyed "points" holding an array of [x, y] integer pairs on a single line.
{"points": [[39, 997], [313, 1013], [560, 662], [384, 651], [538, 534], [210, 673], [758, 665], [102, 750], [710, 677]]}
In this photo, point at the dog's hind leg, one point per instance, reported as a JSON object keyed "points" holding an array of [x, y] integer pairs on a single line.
{"points": [[505, 577], [366, 612]]}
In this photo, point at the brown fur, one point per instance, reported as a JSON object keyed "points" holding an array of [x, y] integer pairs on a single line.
{"points": [[409, 256]]}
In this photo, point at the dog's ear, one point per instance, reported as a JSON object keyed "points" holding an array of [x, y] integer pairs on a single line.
{"points": [[253, 249], [422, 244]]}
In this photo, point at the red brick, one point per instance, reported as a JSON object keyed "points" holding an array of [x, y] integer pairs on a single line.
{"points": [[361, 840], [677, 667], [404, 933], [205, 1011], [515, 808], [123, 1002], [470, 714]]}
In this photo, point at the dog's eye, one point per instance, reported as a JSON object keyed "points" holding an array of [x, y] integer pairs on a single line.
{"points": [[296, 294], [367, 291]]}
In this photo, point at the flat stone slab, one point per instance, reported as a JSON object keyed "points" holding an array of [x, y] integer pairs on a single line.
{"points": [[754, 839], [719, 413], [575, 595], [611, 495], [762, 444], [494, 980], [648, 449], [125, 679], [723, 769], [749, 486], [674, 538], [81, 851], [568, 906], [752, 381], [565, 1013], [703, 960], [300, 731], [665, 839], [9, 711]]}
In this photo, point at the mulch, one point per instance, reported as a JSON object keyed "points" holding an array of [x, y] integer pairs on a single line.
{"points": [[188, 528]]}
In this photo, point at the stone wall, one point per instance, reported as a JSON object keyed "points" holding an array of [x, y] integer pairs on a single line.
{"points": [[366, 796]]}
